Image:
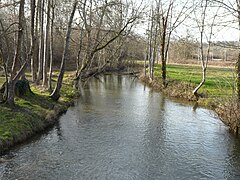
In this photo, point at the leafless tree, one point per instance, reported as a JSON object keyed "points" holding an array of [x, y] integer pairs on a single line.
{"points": [[4, 60], [41, 6], [46, 45], [56, 93], [233, 7], [238, 60], [53, 4], [202, 25], [33, 29], [101, 28], [168, 16], [16, 62]]}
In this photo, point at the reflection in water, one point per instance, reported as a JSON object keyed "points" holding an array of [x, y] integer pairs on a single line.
{"points": [[59, 131], [162, 103], [122, 130], [195, 106]]}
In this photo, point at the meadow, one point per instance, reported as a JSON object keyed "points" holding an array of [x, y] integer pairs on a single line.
{"points": [[220, 81]]}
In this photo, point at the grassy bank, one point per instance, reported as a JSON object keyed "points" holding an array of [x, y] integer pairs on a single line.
{"points": [[182, 79], [219, 80], [33, 113]]}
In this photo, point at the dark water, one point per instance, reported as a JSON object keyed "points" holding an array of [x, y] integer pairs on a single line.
{"points": [[120, 129]]}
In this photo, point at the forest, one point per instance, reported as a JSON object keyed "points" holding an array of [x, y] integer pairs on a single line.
{"points": [[50, 48]]}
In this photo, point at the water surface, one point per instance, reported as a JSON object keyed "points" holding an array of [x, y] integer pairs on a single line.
{"points": [[120, 129]]}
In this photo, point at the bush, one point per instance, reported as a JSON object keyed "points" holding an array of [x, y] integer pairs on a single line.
{"points": [[228, 111]]}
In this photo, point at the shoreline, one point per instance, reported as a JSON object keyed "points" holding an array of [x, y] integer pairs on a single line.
{"points": [[46, 122], [37, 112], [182, 91], [33, 114]]}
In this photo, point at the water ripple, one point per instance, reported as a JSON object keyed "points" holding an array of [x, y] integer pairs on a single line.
{"points": [[121, 130]]}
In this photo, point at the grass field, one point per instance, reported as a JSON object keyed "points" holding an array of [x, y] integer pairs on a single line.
{"points": [[219, 81]]}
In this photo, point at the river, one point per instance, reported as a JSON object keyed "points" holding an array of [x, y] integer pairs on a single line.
{"points": [[120, 129]]}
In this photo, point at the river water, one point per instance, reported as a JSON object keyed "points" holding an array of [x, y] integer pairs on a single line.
{"points": [[120, 129]]}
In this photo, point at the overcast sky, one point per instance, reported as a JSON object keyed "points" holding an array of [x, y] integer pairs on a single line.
{"points": [[225, 29]]}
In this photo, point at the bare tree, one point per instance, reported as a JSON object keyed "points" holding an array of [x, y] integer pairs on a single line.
{"points": [[238, 60], [166, 17], [16, 62], [51, 46], [100, 29], [41, 6], [233, 7], [152, 37], [56, 93], [202, 25], [4, 61], [46, 45], [33, 39]]}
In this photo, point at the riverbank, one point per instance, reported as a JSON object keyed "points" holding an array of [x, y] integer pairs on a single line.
{"points": [[120, 129], [216, 94], [33, 113]]}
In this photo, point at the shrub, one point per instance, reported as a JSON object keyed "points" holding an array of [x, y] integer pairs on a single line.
{"points": [[228, 111]]}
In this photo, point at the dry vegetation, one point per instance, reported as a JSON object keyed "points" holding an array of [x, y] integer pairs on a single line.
{"points": [[228, 111]]}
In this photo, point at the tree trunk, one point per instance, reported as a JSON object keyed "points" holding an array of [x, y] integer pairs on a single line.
{"points": [[155, 45], [238, 77], [41, 44], [51, 49], [35, 57], [56, 93], [4, 88], [163, 58], [204, 61], [164, 73], [33, 40], [164, 50], [145, 63], [151, 45], [238, 60], [46, 46], [79, 63], [5, 64], [5, 96], [16, 60], [195, 91]]}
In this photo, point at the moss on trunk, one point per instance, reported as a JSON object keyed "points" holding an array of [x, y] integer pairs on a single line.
{"points": [[22, 88]]}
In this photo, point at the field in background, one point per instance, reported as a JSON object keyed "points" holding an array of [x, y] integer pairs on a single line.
{"points": [[219, 80]]}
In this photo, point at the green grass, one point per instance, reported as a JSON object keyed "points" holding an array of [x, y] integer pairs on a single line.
{"points": [[15, 123], [2, 80], [219, 80], [31, 111]]}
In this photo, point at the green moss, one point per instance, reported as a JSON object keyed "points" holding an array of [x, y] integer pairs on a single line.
{"points": [[13, 123], [2, 80], [32, 112]]}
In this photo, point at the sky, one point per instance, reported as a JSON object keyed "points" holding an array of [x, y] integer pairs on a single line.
{"points": [[223, 31]]}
